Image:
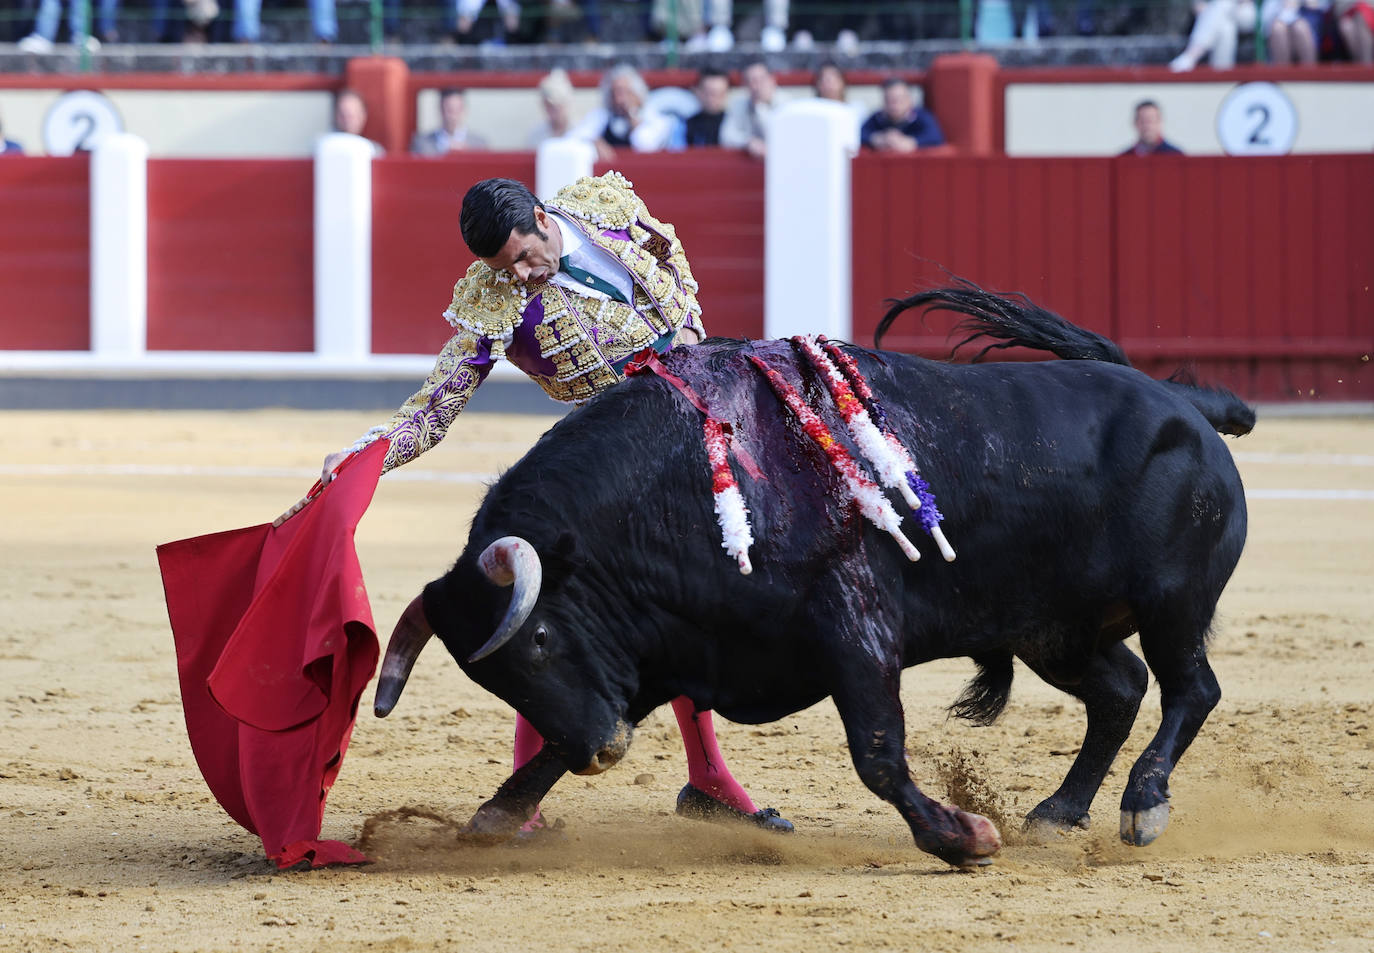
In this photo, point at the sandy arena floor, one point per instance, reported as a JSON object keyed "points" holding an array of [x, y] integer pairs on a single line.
{"points": [[111, 841]]}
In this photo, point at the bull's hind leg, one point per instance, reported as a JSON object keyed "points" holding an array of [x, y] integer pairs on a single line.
{"points": [[873, 724], [1188, 691], [1111, 690]]}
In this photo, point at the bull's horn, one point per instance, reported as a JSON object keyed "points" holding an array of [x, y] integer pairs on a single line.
{"points": [[511, 560], [412, 632]]}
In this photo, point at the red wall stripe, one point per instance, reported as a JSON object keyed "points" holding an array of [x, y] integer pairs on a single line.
{"points": [[45, 253], [1259, 270], [231, 254]]}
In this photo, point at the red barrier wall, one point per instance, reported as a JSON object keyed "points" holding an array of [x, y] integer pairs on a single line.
{"points": [[45, 254], [231, 255], [1258, 271], [417, 250], [714, 199]]}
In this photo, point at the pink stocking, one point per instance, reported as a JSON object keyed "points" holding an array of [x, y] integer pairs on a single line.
{"points": [[706, 770], [528, 741]]}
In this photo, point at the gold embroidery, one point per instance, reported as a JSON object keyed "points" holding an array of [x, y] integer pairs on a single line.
{"points": [[488, 304], [607, 201], [423, 420]]}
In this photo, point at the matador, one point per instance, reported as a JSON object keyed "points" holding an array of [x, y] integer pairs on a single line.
{"points": [[568, 291]]}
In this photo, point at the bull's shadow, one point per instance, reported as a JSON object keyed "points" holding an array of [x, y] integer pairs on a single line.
{"points": [[1087, 502]]}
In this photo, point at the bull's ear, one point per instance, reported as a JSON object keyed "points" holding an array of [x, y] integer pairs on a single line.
{"points": [[562, 559]]}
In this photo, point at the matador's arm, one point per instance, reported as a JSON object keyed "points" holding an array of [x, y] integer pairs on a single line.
{"points": [[424, 419]]}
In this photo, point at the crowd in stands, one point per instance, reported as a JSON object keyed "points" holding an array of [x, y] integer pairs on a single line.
{"points": [[1300, 31], [629, 117]]}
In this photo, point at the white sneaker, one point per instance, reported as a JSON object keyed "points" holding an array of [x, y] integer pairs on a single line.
{"points": [[803, 41], [33, 43], [847, 43], [720, 39], [91, 44], [773, 40], [1182, 63]]}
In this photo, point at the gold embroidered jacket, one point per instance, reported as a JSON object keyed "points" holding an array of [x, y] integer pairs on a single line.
{"points": [[572, 345]]}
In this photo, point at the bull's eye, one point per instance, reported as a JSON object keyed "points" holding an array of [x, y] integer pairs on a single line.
{"points": [[541, 636]]}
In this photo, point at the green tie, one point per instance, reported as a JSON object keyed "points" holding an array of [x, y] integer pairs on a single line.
{"points": [[590, 280]]}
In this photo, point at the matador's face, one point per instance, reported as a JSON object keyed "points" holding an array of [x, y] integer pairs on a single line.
{"points": [[531, 259]]}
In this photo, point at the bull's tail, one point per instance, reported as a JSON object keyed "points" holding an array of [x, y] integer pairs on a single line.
{"points": [[1226, 412], [1015, 321], [1008, 321], [983, 699]]}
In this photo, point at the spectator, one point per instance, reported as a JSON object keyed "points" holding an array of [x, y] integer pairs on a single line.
{"points": [[8, 147], [746, 119], [831, 85], [1214, 33], [1355, 19], [901, 125], [712, 89], [469, 9], [623, 118], [1149, 129], [707, 26], [50, 15], [452, 134], [1292, 28], [556, 96], [248, 20], [350, 116]]}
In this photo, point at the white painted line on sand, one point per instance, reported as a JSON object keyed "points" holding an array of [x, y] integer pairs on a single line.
{"points": [[195, 470], [1307, 459], [446, 476]]}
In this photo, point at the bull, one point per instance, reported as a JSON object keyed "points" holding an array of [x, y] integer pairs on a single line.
{"points": [[1088, 501]]}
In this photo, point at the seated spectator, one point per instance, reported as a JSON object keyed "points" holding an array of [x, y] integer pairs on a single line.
{"points": [[713, 90], [8, 147], [746, 119], [1215, 32], [1292, 29], [350, 116], [469, 9], [452, 134], [556, 96], [707, 26], [623, 118], [831, 85], [248, 20], [1355, 19], [901, 125], [1149, 129], [50, 15]]}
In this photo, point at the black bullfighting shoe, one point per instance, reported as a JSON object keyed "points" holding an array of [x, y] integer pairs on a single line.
{"points": [[696, 803]]}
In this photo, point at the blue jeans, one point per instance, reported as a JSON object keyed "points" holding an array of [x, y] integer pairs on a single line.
{"points": [[248, 23], [50, 15]]}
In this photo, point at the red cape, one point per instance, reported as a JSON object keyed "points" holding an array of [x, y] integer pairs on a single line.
{"points": [[275, 643]]}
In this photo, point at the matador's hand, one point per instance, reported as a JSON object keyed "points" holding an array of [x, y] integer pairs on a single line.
{"points": [[331, 463]]}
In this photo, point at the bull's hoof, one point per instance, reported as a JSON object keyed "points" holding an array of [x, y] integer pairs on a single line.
{"points": [[495, 822], [1044, 824], [984, 840], [979, 841], [1142, 827], [696, 803]]}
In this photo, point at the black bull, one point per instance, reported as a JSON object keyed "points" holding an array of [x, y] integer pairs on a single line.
{"points": [[1087, 502]]}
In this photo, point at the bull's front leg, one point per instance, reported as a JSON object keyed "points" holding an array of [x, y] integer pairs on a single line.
{"points": [[517, 799], [876, 730]]}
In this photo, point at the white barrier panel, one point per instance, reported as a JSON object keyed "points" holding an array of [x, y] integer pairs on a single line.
{"points": [[343, 247], [560, 162], [807, 280], [119, 246]]}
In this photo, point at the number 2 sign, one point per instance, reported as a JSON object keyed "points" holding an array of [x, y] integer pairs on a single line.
{"points": [[1257, 119], [77, 121]]}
